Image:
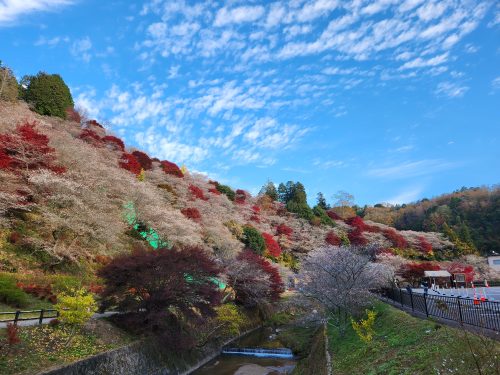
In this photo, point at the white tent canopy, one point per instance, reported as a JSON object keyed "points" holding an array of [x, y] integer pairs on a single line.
{"points": [[437, 274]]}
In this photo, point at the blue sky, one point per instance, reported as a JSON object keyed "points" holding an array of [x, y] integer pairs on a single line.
{"points": [[391, 100]]}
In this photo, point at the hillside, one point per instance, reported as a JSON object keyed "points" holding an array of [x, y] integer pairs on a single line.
{"points": [[70, 216], [469, 217]]}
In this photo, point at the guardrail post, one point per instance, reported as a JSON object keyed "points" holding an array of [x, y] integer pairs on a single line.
{"points": [[425, 304], [41, 317], [16, 317], [411, 299], [459, 310]]}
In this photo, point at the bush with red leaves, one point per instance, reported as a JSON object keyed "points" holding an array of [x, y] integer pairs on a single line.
{"points": [[171, 168], [332, 239], [94, 123], [130, 163], [12, 334], [333, 215], [254, 279], [397, 239], [144, 160], [214, 191], [424, 245], [197, 192], [284, 229], [73, 115], [38, 291], [90, 136], [191, 213], [413, 272], [256, 209], [114, 143], [255, 218], [272, 246], [165, 294], [466, 269], [357, 223], [96, 289], [356, 237], [240, 196], [26, 149]]}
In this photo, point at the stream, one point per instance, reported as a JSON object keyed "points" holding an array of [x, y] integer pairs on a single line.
{"points": [[228, 364]]}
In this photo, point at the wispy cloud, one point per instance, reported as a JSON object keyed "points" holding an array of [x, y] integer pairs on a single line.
{"points": [[12, 10], [406, 196], [411, 169], [451, 89], [80, 49]]}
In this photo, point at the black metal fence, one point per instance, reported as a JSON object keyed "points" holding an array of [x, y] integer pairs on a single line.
{"points": [[19, 315], [484, 314]]}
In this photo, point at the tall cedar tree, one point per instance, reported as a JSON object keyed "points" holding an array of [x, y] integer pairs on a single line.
{"points": [[163, 293], [48, 94], [27, 149]]}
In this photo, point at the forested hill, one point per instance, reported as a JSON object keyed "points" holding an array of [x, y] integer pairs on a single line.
{"points": [[469, 217]]}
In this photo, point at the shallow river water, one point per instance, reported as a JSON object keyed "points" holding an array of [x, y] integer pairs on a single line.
{"points": [[246, 365]]}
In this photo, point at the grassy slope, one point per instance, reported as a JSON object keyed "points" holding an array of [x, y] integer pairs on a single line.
{"points": [[407, 345]]}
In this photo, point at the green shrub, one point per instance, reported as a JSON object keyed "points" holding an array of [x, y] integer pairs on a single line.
{"points": [[8, 84], [10, 294], [253, 239], [48, 94], [65, 283], [323, 216], [224, 189], [301, 209]]}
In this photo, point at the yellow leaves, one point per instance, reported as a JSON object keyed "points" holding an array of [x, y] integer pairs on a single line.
{"points": [[76, 308], [142, 175], [184, 169], [231, 318], [364, 328]]}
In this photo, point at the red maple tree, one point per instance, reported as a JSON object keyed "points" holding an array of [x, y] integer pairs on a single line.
{"points": [[130, 163], [171, 168], [332, 239], [272, 246], [144, 160]]}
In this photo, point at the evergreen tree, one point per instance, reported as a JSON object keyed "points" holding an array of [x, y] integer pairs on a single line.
{"points": [[48, 94], [322, 202], [8, 84], [270, 190]]}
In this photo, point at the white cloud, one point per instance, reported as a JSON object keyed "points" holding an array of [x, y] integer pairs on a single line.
{"points": [[52, 42], [421, 63], [496, 83], [451, 89], [80, 49], [238, 15], [12, 10]]}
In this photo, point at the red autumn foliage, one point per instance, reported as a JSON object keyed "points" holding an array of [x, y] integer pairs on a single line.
{"points": [[197, 192], [73, 115], [114, 143], [332, 239], [284, 229], [424, 245], [413, 272], [397, 239], [12, 334], [14, 237], [214, 191], [249, 286], [144, 160], [272, 246], [255, 218], [130, 163], [27, 149], [466, 269], [356, 237], [90, 136], [256, 209], [171, 168], [96, 289], [191, 213], [39, 291], [94, 123], [165, 293], [333, 215], [240, 196], [357, 222]]}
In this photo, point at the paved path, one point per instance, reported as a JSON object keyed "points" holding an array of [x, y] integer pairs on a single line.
{"points": [[35, 321]]}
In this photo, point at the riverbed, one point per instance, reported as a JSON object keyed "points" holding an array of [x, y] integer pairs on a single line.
{"points": [[246, 365]]}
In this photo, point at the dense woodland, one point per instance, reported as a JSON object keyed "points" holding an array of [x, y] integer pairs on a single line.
{"points": [[469, 217]]}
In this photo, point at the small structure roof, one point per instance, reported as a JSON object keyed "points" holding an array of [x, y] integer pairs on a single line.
{"points": [[437, 273]]}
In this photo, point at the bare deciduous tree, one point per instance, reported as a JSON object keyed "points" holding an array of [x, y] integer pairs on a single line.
{"points": [[340, 279]]}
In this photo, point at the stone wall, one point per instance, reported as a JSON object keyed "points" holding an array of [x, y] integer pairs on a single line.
{"points": [[143, 358]]}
